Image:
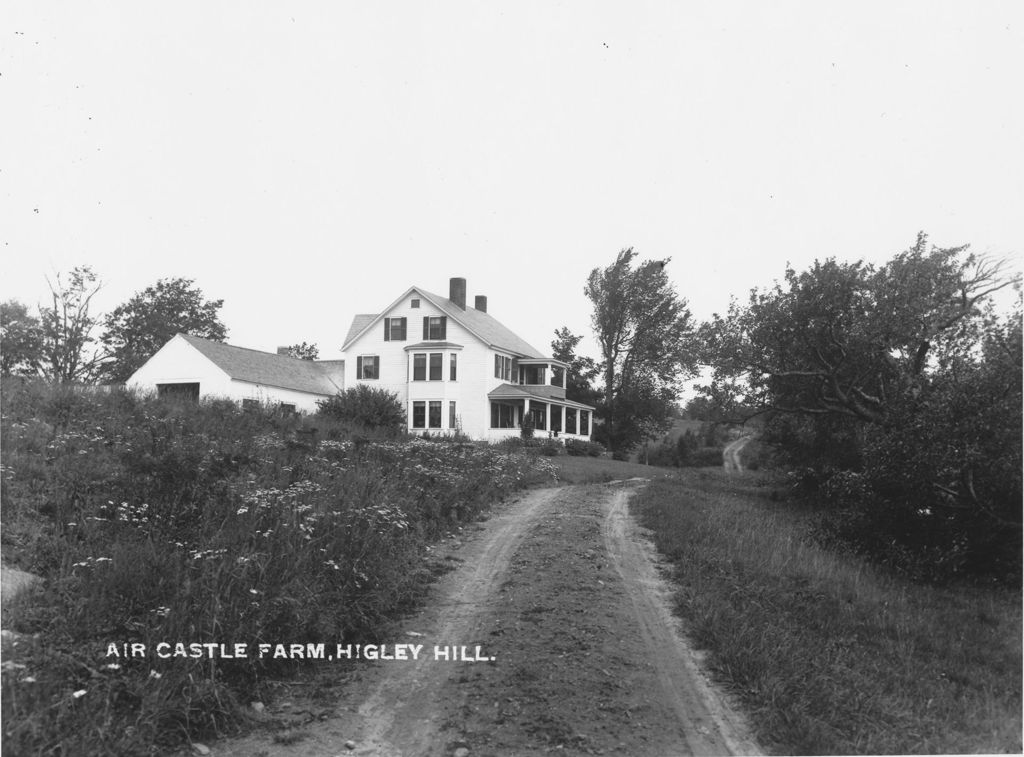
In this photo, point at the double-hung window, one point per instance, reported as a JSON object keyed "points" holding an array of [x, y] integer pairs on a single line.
{"points": [[453, 362], [503, 367], [368, 367], [435, 327], [420, 363], [395, 329], [426, 414], [434, 414]]}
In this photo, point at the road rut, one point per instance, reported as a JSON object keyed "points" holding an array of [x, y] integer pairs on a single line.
{"points": [[562, 590]]}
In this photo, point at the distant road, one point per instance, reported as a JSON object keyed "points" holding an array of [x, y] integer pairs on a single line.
{"points": [[731, 454]]}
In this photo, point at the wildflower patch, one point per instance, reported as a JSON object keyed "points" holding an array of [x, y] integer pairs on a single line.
{"points": [[203, 541]]}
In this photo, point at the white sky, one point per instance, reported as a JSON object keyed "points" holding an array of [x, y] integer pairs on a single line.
{"points": [[309, 161]]}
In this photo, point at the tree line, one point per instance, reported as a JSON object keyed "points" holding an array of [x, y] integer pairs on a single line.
{"points": [[68, 342], [891, 393]]}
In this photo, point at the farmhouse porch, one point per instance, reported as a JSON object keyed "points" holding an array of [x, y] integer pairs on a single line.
{"points": [[552, 416]]}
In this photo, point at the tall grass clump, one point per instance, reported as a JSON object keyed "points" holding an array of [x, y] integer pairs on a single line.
{"points": [[830, 653], [156, 521]]}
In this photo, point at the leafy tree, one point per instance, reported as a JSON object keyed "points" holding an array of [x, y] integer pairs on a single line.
{"points": [[368, 408], [136, 329], [900, 391], [21, 340], [303, 351], [644, 331], [582, 370], [846, 338], [67, 326]]}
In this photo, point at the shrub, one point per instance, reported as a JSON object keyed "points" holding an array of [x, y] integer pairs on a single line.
{"points": [[583, 448], [551, 448], [527, 427], [686, 445], [704, 457], [368, 408], [664, 454]]}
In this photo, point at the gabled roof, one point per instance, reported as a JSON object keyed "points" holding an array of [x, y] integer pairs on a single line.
{"points": [[482, 325], [534, 392], [360, 322], [267, 368]]}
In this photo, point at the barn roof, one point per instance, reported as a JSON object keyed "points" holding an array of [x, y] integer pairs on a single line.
{"points": [[267, 368]]}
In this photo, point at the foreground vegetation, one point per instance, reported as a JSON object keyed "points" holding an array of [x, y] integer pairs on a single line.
{"points": [[162, 522], [829, 654]]}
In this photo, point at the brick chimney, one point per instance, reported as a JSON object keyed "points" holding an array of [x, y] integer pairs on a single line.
{"points": [[481, 303], [457, 292]]}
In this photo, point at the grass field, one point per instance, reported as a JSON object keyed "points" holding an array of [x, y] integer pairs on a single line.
{"points": [[587, 470], [828, 654]]}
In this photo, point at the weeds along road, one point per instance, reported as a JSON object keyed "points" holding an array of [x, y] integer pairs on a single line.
{"points": [[562, 590]]}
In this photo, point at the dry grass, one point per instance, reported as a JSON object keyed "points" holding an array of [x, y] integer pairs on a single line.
{"points": [[829, 654], [589, 470]]}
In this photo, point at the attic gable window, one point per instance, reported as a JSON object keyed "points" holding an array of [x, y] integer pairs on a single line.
{"points": [[435, 327], [368, 367], [395, 329], [415, 302]]}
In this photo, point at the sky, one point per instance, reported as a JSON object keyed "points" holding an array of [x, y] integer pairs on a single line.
{"points": [[307, 161]]}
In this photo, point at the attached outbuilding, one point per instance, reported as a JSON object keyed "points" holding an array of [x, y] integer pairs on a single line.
{"points": [[196, 368]]}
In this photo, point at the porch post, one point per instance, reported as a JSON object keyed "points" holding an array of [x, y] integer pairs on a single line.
{"points": [[547, 415], [561, 425], [526, 411]]}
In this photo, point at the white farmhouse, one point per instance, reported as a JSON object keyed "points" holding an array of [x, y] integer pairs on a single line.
{"points": [[456, 368], [195, 368]]}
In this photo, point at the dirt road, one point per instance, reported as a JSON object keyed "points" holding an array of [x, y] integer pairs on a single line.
{"points": [[731, 453], [562, 591]]}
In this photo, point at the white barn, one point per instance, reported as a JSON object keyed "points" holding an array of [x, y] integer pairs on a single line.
{"points": [[200, 368]]}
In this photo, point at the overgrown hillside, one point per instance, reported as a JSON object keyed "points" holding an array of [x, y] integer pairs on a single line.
{"points": [[159, 522]]}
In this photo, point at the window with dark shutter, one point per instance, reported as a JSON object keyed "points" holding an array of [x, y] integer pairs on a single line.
{"points": [[435, 327], [394, 329], [367, 367]]}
